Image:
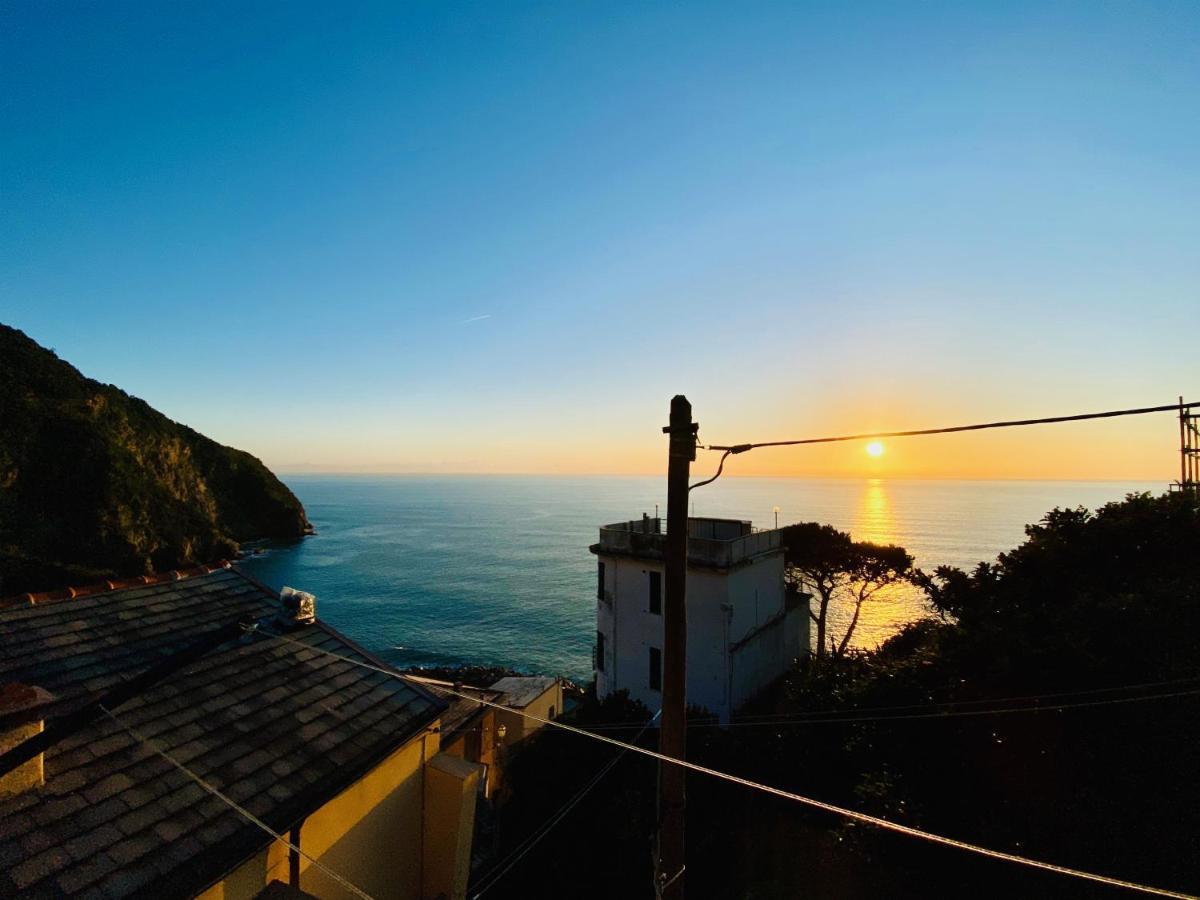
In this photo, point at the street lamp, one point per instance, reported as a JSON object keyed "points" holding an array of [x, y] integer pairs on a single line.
{"points": [[777, 517]]}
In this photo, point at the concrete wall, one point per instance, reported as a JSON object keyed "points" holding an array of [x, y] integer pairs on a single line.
{"points": [[708, 604], [723, 608], [757, 593]]}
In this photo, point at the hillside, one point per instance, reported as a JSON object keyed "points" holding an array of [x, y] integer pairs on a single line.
{"points": [[96, 484]]}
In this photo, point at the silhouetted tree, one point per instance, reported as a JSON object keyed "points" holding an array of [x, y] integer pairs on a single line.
{"points": [[1114, 589], [836, 567]]}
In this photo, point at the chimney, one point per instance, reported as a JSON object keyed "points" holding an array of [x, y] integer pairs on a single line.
{"points": [[21, 719], [299, 607]]}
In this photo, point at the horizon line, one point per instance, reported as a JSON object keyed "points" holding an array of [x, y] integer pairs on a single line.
{"points": [[866, 477]]}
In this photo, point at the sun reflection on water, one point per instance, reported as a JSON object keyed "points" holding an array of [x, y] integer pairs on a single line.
{"points": [[874, 519], [892, 607]]}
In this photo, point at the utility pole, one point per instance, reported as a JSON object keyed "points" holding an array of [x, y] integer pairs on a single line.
{"points": [[1189, 448], [673, 732]]}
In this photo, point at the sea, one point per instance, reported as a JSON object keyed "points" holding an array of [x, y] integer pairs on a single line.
{"points": [[495, 570]]}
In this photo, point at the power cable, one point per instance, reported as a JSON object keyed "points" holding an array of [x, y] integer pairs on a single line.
{"points": [[991, 700], [245, 813], [853, 815], [720, 468], [929, 711], [1011, 423], [489, 881], [953, 714]]}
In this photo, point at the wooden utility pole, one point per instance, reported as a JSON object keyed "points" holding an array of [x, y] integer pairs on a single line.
{"points": [[672, 736]]}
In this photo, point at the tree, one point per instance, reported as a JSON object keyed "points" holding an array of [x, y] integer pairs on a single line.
{"points": [[1113, 591], [839, 568]]}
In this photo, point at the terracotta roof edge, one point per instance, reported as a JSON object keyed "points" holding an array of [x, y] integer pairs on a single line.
{"points": [[41, 598]]}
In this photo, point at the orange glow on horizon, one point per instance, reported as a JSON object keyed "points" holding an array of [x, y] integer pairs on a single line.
{"points": [[1137, 449]]}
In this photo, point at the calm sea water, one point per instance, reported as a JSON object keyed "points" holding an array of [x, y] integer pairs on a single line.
{"points": [[496, 570]]}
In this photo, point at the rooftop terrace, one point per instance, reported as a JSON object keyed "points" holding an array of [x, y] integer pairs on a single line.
{"points": [[719, 543]]}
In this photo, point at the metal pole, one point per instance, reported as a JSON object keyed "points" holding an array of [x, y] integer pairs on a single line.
{"points": [[1183, 454], [673, 733]]}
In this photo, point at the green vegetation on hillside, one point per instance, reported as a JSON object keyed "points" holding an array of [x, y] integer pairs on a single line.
{"points": [[96, 484]]}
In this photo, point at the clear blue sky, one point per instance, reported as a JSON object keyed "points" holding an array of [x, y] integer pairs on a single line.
{"points": [[498, 236]]}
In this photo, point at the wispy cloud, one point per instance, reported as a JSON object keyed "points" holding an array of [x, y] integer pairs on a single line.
{"points": [[476, 319]]}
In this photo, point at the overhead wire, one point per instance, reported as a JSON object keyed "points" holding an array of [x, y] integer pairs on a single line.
{"points": [[850, 814], [498, 871], [237, 807], [720, 468], [800, 720], [930, 710], [1078, 692], [1010, 423]]}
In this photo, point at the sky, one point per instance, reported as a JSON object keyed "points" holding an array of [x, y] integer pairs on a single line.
{"points": [[498, 237]]}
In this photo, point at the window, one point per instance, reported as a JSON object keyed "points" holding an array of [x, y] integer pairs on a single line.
{"points": [[600, 581], [550, 715], [655, 669], [656, 593], [599, 651]]}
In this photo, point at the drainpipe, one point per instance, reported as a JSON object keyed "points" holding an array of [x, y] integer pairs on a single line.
{"points": [[294, 855]]}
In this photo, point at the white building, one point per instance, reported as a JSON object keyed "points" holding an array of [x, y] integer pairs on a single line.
{"points": [[743, 628]]}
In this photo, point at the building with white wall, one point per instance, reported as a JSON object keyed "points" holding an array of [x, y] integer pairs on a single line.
{"points": [[744, 629]]}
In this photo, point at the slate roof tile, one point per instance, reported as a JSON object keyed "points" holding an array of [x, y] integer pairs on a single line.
{"points": [[35, 841], [11, 853], [16, 824], [107, 787], [96, 816], [126, 880], [91, 842], [57, 808], [39, 866], [279, 727], [75, 879]]}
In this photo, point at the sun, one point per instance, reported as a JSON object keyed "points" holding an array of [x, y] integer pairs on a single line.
{"points": [[875, 448]]}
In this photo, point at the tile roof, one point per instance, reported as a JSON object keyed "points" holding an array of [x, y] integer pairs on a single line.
{"points": [[462, 711], [278, 728]]}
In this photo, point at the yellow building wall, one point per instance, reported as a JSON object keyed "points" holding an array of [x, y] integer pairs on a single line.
{"points": [[370, 834], [451, 784], [518, 727], [29, 774]]}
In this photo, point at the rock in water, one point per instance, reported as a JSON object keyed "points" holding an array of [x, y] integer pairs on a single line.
{"points": [[96, 484]]}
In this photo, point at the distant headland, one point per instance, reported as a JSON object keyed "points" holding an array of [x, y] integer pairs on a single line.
{"points": [[96, 484]]}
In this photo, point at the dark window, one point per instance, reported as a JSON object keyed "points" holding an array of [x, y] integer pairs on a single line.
{"points": [[655, 669], [656, 593], [600, 581], [599, 651], [550, 715]]}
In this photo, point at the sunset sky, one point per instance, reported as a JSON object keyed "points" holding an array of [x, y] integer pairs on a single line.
{"points": [[498, 237]]}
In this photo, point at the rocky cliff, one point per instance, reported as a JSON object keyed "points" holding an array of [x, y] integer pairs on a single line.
{"points": [[96, 484]]}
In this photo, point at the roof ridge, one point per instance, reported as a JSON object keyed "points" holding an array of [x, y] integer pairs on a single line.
{"points": [[41, 598]]}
